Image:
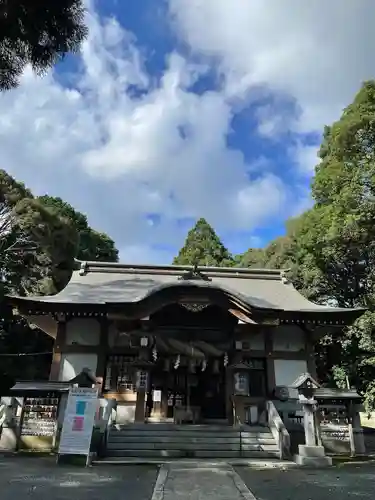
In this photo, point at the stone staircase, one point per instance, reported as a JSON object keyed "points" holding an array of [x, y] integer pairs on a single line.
{"points": [[190, 441]]}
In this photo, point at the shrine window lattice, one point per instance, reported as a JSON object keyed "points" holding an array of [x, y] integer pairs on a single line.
{"points": [[119, 375]]}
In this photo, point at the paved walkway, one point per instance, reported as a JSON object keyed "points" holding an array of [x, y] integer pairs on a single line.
{"points": [[200, 482], [32, 478]]}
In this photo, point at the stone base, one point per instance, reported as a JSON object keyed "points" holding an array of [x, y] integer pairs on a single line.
{"points": [[312, 456], [313, 461], [311, 451], [8, 439]]}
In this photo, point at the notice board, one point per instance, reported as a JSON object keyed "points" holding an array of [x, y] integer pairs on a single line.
{"points": [[78, 421]]}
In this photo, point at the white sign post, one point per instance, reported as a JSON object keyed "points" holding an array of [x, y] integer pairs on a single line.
{"points": [[78, 422]]}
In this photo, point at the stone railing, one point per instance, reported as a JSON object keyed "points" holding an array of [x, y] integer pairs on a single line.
{"points": [[3, 415], [278, 429]]}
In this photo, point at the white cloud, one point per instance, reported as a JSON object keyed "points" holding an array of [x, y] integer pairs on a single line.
{"points": [[117, 146], [318, 53], [306, 158]]}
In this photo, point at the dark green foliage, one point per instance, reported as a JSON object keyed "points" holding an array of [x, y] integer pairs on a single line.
{"points": [[203, 247], [39, 33], [92, 245], [330, 249], [40, 237]]}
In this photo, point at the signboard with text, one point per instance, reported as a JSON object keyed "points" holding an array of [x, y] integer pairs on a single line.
{"points": [[79, 421]]}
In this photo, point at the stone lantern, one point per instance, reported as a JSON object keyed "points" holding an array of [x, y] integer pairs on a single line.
{"points": [[309, 453]]}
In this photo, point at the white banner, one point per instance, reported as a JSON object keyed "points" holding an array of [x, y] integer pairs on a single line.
{"points": [[79, 421]]}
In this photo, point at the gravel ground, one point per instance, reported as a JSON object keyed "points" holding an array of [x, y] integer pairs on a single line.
{"points": [[347, 482], [42, 479]]}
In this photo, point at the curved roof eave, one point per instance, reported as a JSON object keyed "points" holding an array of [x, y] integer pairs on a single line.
{"points": [[247, 302]]}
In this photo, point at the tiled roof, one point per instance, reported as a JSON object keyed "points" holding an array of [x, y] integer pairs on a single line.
{"points": [[99, 283]]}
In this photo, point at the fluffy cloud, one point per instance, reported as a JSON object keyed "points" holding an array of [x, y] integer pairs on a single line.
{"points": [[316, 53], [119, 146]]}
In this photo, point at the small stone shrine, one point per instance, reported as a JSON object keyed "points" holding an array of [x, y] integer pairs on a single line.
{"points": [[310, 453]]}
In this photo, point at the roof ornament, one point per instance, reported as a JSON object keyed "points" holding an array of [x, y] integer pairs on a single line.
{"points": [[83, 269], [194, 274]]}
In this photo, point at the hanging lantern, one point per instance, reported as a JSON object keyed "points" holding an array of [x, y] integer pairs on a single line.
{"points": [[177, 362], [204, 365], [154, 354], [226, 359]]}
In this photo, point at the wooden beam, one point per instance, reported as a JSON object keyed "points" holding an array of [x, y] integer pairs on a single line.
{"points": [[103, 352], [270, 365], [58, 346]]}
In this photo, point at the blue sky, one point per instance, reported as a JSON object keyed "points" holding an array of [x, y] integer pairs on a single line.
{"points": [[180, 109]]}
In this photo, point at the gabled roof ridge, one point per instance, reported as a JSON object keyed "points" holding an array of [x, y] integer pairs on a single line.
{"points": [[107, 267]]}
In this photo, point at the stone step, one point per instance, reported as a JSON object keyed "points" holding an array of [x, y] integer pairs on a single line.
{"points": [[190, 446], [115, 438], [212, 454], [186, 428], [190, 432], [181, 435], [172, 439]]}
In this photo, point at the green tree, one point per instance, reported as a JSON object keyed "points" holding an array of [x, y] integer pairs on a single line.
{"points": [[39, 33], [339, 234], [37, 247], [92, 245], [253, 258], [203, 247]]}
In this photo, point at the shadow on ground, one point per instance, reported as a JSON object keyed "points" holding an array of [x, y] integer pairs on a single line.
{"points": [[347, 482], [41, 478]]}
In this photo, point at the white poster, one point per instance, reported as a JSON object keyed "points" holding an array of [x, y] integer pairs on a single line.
{"points": [[79, 421]]}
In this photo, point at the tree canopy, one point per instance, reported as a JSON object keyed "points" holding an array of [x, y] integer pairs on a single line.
{"points": [[37, 33], [330, 249], [203, 247], [92, 245], [39, 240]]}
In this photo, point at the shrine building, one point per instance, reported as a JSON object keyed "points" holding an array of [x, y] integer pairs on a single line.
{"points": [[220, 341]]}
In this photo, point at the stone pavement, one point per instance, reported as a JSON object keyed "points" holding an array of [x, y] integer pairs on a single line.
{"points": [[345, 482], [200, 481], [41, 479]]}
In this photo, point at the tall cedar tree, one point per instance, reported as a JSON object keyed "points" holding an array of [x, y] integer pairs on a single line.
{"points": [[39, 33], [340, 232], [92, 245], [203, 247], [330, 249]]}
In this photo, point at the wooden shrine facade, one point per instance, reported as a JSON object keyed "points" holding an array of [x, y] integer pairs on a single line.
{"points": [[218, 340]]}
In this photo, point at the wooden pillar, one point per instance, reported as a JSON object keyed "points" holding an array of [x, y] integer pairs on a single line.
{"points": [[102, 353], [310, 353], [140, 406], [57, 348], [164, 401], [270, 365], [229, 395]]}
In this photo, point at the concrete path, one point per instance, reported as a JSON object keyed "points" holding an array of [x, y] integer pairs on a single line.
{"points": [[200, 482]]}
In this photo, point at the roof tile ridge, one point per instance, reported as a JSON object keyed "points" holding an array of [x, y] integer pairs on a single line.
{"points": [[85, 267]]}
